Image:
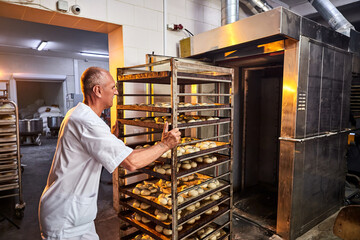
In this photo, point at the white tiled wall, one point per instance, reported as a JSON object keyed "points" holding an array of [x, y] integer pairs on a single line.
{"points": [[143, 21]]}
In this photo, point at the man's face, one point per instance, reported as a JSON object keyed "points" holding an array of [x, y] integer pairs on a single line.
{"points": [[109, 90]]}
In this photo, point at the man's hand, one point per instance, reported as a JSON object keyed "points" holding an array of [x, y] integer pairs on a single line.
{"points": [[172, 138]]}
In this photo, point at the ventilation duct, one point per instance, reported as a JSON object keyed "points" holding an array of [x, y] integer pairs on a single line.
{"points": [[257, 6], [229, 11], [332, 16]]}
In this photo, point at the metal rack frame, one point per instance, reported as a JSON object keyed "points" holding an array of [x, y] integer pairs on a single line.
{"points": [[179, 72], [10, 162]]}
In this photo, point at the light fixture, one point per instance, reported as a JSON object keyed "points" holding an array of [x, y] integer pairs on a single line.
{"points": [[94, 55], [41, 45]]}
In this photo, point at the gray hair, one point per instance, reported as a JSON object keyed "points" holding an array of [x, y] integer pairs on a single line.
{"points": [[91, 77]]}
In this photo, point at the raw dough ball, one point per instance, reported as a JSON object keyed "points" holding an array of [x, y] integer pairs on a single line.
{"points": [[180, 199], [189, 150], [145, 220], [180, 228], [144, 206], [214, 158], [207, 160], [136, 191], [161, 171], [193, 164], [199, 159], [207, 198], [153, 189], [215, 197], [161, 216], [163, 201], [212, 185], [169, 203], [191, 177], [215, 209], [197, 205], [186, 166], [191, 221], [145, 192], [190, 208], [167, 232], [193, 193], [136, 204], [138, 217], [197, 218], [208, 212], [200, 191], [168, 171], [159, 228]]}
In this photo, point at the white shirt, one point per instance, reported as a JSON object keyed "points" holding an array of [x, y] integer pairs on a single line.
{"points": [[68, 204]]}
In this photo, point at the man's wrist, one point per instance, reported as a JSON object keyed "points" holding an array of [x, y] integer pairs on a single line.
{"points": [[164, 146]]}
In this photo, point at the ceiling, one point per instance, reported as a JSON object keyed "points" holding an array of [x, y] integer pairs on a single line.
{"points": [[18, 36]]}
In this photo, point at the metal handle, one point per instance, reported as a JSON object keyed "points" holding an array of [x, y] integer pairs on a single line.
{"points": [[329, 134]]}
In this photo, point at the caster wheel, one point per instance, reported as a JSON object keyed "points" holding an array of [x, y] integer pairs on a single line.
{"points": [[19, 213], [347, 202]]}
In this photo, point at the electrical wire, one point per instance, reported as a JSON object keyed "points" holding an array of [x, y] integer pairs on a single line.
{"points": [[188, 32]]}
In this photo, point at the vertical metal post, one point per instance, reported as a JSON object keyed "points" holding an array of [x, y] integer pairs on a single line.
{"points": [[174, 114], [231, 130]]}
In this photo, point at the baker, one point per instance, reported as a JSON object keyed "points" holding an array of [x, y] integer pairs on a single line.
{"points": [[68, 205]]}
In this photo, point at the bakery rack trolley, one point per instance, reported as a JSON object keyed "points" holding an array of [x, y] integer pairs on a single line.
{"points": [[10, 163], [180, 203]]}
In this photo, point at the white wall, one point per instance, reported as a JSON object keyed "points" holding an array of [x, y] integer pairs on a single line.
{"points": [[22, 63], [142, 21]]}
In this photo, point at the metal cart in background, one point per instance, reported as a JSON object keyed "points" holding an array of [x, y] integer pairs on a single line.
{"points": [[10, 163]]}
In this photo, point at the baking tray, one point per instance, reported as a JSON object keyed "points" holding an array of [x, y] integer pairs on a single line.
{"points": [[9, 186], [223, 146], [149, 228], [7, 122], [7, 156], [148, 213], [8, 129], [8, 166], [163, 77], [127, 190], [131, 121], [8, 149], [7, 138], [183, 172], [225, 234], [8, 175], [168, 110]]}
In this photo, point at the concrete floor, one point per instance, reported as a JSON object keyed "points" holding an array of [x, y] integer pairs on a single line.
{"points": [[38, 162]]}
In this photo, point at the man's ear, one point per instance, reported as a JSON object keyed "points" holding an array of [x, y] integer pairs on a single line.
{"points": [[97, 90]]}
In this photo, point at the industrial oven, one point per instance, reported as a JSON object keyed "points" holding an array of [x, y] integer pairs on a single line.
{"points": [[292, 105]]}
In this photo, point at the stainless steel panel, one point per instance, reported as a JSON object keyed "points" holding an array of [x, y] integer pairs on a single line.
{"points": [[337, 92], [347, 77], [302, 87], [278, 21], [354, 45], [327, 79], [314, 86], [323, 34]]}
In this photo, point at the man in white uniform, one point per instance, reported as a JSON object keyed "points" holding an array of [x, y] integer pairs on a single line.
{"points": [[68, 205]]}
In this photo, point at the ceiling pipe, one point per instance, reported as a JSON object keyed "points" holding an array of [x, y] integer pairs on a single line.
{"points": [[257, 6], [332, 16], [229, 11]]}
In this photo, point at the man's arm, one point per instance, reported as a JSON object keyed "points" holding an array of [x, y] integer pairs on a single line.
{"points": [[140, 158]]}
